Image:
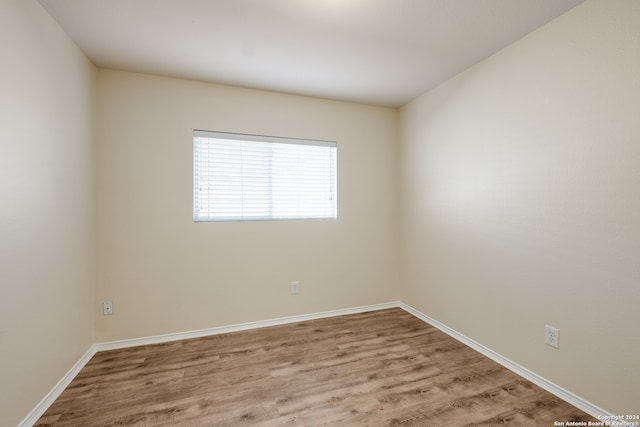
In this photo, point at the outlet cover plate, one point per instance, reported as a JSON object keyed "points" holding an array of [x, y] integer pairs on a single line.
{"points": [[107, 308], [551, 336]]}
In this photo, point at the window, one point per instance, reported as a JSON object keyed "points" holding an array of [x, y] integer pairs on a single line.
{"points": [[249, 177]]}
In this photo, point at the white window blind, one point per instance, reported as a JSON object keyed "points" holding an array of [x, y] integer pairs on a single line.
{"points": [[249, 177]]}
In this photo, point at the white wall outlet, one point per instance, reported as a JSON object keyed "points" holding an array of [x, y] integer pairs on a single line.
{"points": [[551, 336], [294, 288], [107, 308]]}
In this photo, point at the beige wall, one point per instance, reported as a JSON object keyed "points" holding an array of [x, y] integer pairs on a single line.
{"points": [[47, 238], [521, 197], [518, 206], [166, 273]]}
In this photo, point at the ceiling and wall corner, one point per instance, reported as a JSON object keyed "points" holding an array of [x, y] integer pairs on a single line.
{"points": [[380, 52]]}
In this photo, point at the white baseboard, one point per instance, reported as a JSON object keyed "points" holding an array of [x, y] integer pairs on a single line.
{"points": [[566, 395], [48, 400], [542, 382], [157, 339]]}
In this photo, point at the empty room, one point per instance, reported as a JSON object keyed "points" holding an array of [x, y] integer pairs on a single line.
{"points": [[319, 212]]}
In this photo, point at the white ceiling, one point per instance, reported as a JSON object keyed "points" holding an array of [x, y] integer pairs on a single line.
{"points": [[381, 52]]}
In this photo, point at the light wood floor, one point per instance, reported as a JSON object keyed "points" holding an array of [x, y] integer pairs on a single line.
{"points": [[382, 368]]}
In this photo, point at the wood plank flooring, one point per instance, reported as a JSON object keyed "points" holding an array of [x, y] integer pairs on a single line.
{"points": [[382, 368]]}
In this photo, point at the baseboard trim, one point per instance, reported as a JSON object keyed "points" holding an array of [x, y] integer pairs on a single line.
{"points": [[547, 385], [48, 400], [542, 382], [55, 392], [158, 339]]}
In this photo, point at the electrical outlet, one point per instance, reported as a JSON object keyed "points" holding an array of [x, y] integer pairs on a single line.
{"points": [[294, 288], [551, 336], [107, 308]]}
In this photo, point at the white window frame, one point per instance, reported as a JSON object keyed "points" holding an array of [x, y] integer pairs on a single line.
{"points": [[242, 177]]}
